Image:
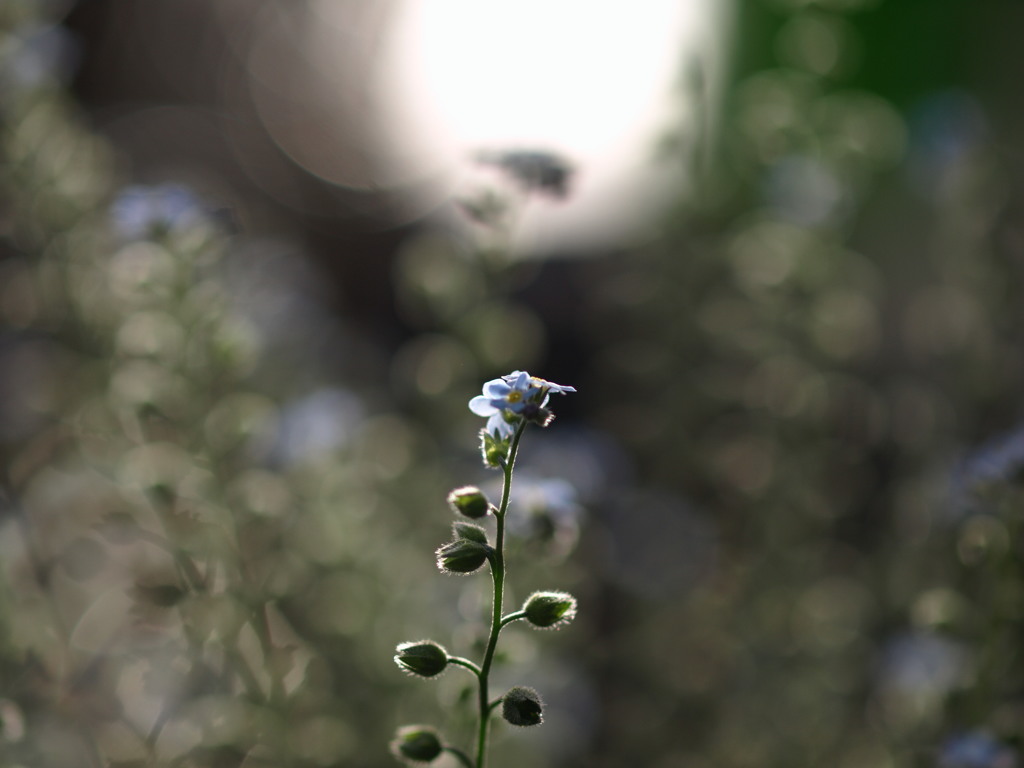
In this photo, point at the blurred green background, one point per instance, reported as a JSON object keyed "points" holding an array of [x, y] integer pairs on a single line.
{"points": [[233, 398]]}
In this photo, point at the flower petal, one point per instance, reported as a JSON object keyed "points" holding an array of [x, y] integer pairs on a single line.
{"points": [[483, 406], [550, 386], [496, 389], [519, 380], [497, 424]]}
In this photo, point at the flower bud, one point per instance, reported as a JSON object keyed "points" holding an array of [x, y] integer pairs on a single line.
{"points": [[522, 706], [416, 743], [550, 609], [494, 449], [469, 501], [538, 414], [462, 556], [469, 532], [425, 658]]}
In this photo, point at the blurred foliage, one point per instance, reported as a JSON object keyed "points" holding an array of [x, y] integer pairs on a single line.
{"points": [[202, 524], [194, 558], [797, 435], [806, 354]]}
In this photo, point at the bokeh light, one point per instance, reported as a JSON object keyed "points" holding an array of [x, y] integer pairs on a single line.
{"points": [[255, 257]]}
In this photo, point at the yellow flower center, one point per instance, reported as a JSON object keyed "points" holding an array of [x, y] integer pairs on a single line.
{"points": [[514, 396]]}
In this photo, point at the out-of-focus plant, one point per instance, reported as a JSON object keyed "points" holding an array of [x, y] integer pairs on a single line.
{"points": [[814, 336], [973, 604], [510, 404], [191, 509], [201, 534], [195, 506]]}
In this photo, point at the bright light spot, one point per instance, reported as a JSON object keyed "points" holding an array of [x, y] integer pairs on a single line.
{"points": [[567, 73], [595, 82]]}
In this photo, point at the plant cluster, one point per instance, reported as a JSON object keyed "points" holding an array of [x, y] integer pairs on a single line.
{"points": [[510, 403]]}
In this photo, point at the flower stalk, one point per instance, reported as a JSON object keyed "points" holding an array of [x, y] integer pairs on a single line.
{"points": [[498, 581], [510, 404]]}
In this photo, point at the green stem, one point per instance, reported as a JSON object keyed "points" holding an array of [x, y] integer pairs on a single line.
{"points": [[513, 617], [462, 756], [465, 663], [498, 579]]}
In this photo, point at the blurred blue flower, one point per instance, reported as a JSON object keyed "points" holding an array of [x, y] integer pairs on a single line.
{"points": [[921, 666], [976, 749], [39, 53], [144, 212], [316, 424], [516, 395], [592, 461], [545, 511], [946, 128], [804, 190], [998, 459]]}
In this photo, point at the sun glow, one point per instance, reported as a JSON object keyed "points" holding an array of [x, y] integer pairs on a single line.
{"points": [[570, 73], [597, 82]]}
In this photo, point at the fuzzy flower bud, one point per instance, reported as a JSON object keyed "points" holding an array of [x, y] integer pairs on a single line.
{"points": [[416, 743], [425, 658], [550, 609], [470, 532], [538, 414], [462, 556], [493, 449], [522, 706], [469, 501]]}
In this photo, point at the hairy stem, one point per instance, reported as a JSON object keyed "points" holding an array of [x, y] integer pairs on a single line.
{"points": [[465, 663], [513, 617], [498, 579]]}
